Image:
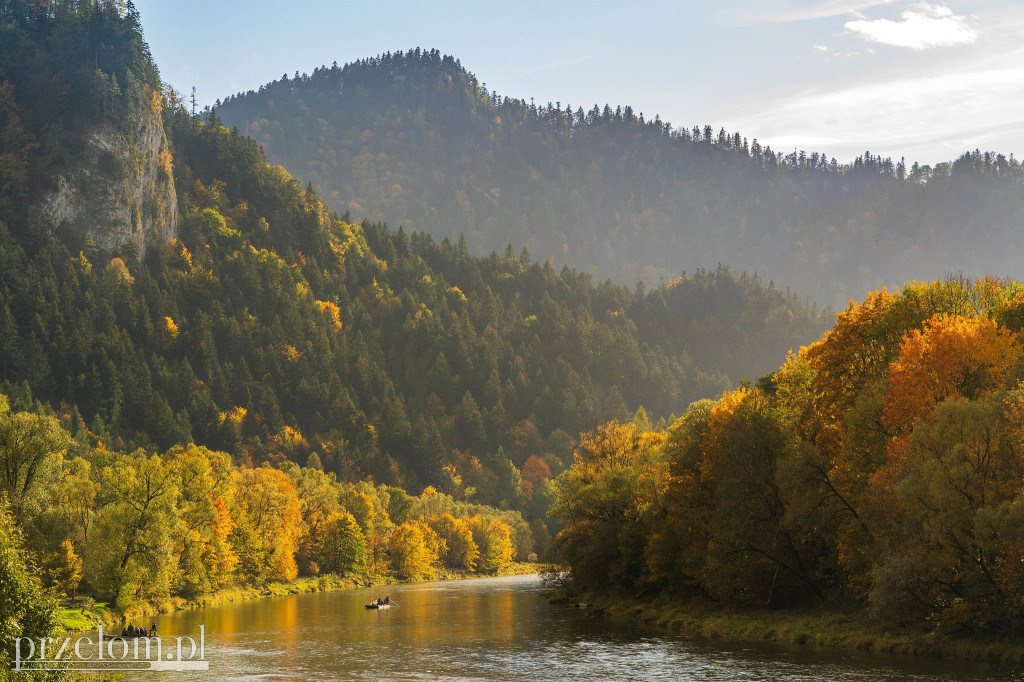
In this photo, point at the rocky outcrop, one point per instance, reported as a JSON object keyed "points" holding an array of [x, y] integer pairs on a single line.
{"points": [[122, 190]]}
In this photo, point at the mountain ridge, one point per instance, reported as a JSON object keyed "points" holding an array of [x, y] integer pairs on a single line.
{"points": [[413, 139]]}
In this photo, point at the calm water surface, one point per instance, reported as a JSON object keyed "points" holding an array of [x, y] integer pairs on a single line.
{"points": [[497, 629]]}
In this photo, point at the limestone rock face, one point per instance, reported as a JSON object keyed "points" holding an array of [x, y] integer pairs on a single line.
{"points": [[122, 190]]}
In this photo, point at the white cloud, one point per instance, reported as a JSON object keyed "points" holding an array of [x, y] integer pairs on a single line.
{"points": [[820, 48], [925, 117], [829, 8], [929, 105], [919, 28]]}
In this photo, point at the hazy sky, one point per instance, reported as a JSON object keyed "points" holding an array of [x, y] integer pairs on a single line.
{"points": [[924, 80]]}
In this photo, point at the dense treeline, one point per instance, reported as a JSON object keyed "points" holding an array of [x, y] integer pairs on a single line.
{"points": [[141, 528], [414, 139], [880, 466]]}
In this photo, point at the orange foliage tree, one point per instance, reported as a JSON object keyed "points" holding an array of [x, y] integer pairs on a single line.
{"points": [[952, 356]]}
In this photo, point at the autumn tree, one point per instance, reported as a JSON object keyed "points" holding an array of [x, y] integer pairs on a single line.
{"points": [[952, 356], [493, 537], [62, 570], [130, 555], [339, 546], [204, 554], [949, 509], [461, 551], [535, 471], [413, 549], [755, 552], [679, 520], [370, 511], [267, 516], [592, 498], [318, 500]]}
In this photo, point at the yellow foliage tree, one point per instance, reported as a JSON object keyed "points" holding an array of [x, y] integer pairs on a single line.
{"points": [[62, 570], [614, 444], [412, 549], [494, 538], [461, 551], [267, 524], [205, 558]]}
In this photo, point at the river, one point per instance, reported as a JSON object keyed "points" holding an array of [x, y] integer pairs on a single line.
{"points": [[497, 629]]}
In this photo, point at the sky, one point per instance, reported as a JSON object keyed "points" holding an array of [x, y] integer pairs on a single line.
{"points": [[915, 79]]}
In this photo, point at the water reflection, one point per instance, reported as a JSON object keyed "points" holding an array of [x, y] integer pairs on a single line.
{"points": [[499, 629]]}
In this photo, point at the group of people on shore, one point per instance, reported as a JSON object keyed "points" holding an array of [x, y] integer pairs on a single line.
{"points": [[131, 631]]}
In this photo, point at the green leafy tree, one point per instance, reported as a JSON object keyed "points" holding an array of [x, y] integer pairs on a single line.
{"points": [[31, 449], [130, 554], [494, 539], [26, 609], [62, 570], [340, 546]]}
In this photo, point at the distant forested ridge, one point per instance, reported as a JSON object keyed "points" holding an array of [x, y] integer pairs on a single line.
{"points": [[273, 329], [414, 139]]}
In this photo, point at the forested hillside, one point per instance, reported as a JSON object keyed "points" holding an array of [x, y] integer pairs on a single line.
{"points": [[414, 139], [273, 329]]}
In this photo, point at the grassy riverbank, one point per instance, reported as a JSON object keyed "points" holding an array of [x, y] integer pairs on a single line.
{"points": [[514, 568], [853, 629], [89, 616]]}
